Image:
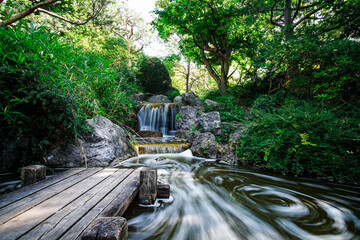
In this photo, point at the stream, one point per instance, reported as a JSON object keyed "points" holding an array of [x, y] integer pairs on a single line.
{"points": [[211, 200]]}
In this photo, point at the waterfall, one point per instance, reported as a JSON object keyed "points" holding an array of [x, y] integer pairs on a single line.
{"points": [[159, 117]]}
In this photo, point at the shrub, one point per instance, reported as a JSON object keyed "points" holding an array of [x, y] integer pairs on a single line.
{"points": [[48, 88], [171, 94], [228, 107], [153, 76], [304, 139]]}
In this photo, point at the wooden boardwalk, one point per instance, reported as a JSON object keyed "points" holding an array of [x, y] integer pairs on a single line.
{"points": [[63, 206]]}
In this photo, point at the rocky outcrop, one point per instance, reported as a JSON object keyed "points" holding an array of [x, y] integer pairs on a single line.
{"points": [[210, 103], [204, 145], [138, 97], [192, 100], [187, 119], [178, 99], [158, 99], [209, 122], [226, 154], [105, 143]]}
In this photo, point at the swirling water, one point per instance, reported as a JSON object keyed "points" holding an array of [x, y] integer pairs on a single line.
{"points": [[210, 200]]}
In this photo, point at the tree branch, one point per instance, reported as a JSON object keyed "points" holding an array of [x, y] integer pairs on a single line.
{"points": [[342, 24], [142, 47], [300, 8], [272, 16], [26, 12], [297, 10], [67, 20], [307, 16], [119, 34]]}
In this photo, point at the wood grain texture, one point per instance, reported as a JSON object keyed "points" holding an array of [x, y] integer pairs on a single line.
{"points": [[61, 221], [21, 224], [8, 198], [76, 231]]}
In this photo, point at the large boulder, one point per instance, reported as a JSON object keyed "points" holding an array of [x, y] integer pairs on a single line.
{"points": [[98, 148], [188, 118], [159, 99], [209, 122], [210, 103], [178, 99], [226, 154], [138, 97], [204, 145], [192, 100]]}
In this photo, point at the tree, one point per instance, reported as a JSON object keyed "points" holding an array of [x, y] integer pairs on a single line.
{"points": [[153, 76], [334, 14], [31, 7], [313, 52], [210, 33], [132, 29]]}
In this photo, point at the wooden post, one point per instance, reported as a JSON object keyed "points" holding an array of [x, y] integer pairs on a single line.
{"points": [[163, 191], [107, 228], [32, 174], [148, 183]]}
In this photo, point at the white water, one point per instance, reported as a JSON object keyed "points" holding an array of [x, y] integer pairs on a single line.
{"points": [[213, 201], [158, 117]]}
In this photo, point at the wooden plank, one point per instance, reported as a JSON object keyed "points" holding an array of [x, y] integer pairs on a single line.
{"points": [[148, 182], [26, 221], [61, 221], [21, 206], [77, 230], [107, 228], [122, 201], [163, 191], [9, 198]]}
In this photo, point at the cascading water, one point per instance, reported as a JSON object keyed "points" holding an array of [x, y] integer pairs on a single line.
{"points": [[214, 201], [158, 117]]}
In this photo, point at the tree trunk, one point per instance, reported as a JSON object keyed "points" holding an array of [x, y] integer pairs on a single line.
{"points": [[288, 28], [288, 33], [129, 56], [188, 76]]}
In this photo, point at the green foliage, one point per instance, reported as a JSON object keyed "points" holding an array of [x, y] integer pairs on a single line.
{"points": [[270, 103], [306, 139], [228, 107], [210, 32], [48, 88], [153, 76], [171, 94], [226, 131], [312, 66]]}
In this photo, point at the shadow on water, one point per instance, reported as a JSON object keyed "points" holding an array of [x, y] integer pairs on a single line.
{"points": [[210, 200]]}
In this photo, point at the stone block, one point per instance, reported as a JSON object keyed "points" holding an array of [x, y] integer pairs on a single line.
{"points": [[32, 174]]}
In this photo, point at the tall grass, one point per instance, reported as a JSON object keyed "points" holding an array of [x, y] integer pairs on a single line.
{"points": [[48, 88]]}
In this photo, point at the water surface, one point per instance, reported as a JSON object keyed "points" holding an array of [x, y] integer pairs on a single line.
{"points": [[210, 200]]}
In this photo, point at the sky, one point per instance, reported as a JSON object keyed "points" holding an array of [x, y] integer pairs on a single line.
{"points": [[156, 48]]}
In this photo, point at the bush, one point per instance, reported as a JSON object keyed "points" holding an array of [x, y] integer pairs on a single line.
{"points": [[304, 139], [228, 107], [153, 76], [48, 88], [171, 94]]}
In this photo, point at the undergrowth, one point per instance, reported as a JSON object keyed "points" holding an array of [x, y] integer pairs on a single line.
{"points": [[48, 88], [303, 139]]}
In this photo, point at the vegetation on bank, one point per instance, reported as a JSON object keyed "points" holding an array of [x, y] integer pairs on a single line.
{"points": [[48, 89]]}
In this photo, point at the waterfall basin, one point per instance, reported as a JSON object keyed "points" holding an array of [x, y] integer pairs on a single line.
{"points": [[211, 200]]}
